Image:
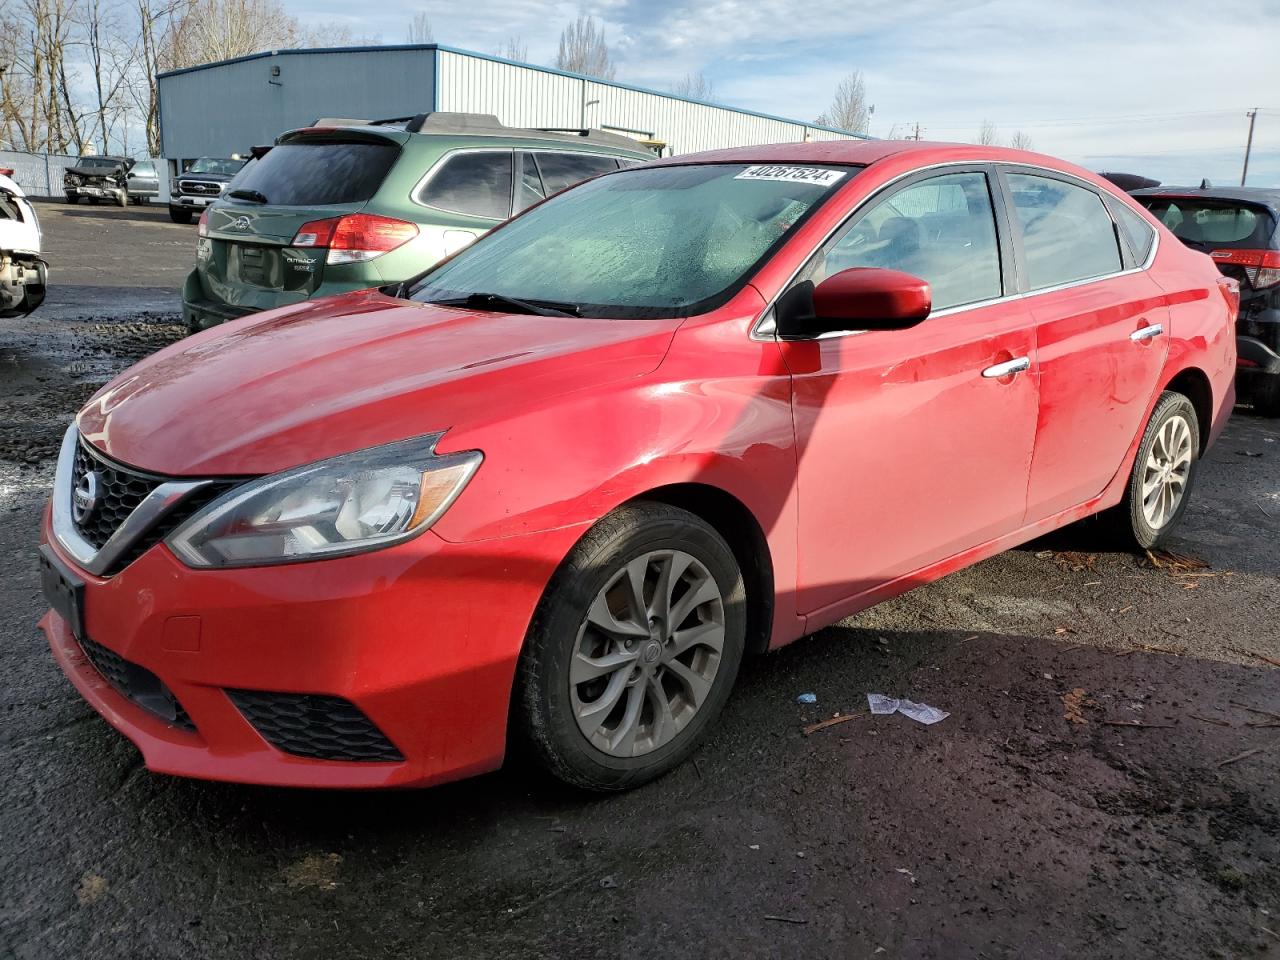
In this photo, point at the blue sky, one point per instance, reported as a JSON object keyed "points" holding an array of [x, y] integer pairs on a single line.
{"points": [[1159, 88]]}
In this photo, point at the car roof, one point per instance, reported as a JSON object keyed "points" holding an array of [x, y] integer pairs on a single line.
{"points": [[1267, 196], [867, 152]]}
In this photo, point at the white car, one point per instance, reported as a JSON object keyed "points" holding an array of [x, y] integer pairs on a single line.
{"points": [[23, 273]]}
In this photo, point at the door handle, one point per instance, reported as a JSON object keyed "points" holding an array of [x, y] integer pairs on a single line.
{"points": [[1146, 333], [1008, 368]]}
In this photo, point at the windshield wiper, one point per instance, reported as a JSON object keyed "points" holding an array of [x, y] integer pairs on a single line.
{"points": [[493, 301], [251, 195]]}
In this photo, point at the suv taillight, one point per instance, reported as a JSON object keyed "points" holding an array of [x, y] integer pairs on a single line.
{"points": [[203, 226], [356, 237], [1262, 267]]}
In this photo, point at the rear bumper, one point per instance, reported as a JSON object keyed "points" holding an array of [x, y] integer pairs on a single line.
{"points": [[1255, 358]]}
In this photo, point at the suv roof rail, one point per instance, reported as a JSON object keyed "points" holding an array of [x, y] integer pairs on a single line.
{"points": [[486, 124]]}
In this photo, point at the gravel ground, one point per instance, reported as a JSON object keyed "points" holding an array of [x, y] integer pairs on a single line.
{"points": [[1011, 829]]}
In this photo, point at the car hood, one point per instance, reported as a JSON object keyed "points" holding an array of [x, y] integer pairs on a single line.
{"points": [[97, 171], [287, 387], [212, 177]]}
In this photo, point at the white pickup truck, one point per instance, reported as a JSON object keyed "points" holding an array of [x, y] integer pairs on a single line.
{"points": [[23, 273]]}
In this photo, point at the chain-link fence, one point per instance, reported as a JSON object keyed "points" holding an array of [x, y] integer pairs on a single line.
{"points": [[40, 174]]}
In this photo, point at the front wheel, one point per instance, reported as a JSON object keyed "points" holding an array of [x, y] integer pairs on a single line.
{"points": [[1163, 473], [633, 650], [179, 216], [72, 198]]}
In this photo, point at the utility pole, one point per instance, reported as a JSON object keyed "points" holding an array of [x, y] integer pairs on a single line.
{"points": [[916, 136], [1248, 147]]}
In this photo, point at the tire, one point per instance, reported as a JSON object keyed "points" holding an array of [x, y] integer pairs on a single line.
{"points": [[1266, 397], [1147, 523], [72, 199], [550, 710], [93, 201], [179, 216]]}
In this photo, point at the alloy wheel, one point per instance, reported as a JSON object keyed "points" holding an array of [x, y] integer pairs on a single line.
{"points": [[1164, 476], [647, 653]]}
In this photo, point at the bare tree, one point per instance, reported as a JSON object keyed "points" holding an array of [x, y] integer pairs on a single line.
{"points": [[987, 135], [110, 58], [849, 109], [514, 49], [1021, 141], [420, 29], [583, 50], [696, 86]]}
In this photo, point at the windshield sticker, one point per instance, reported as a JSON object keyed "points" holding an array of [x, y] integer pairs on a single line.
{"points": [[817, 176]]}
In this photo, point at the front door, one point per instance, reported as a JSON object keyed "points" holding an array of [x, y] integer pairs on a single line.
{"points": [[914, 445], [1102, 337]]}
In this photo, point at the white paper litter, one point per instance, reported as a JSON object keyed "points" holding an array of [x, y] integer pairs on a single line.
{"points": [[920, 712]]}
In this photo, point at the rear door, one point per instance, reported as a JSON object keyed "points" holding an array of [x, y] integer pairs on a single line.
{"points": [[249, 258], [1102, 335]]}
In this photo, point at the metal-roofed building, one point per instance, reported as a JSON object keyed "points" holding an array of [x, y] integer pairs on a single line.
{"points": [[227, 107]]}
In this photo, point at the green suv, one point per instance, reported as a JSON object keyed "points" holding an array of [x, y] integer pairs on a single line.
{"points": [[348, 204]]}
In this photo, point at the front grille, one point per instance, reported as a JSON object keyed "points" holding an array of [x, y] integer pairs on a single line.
{"points": [[310, 725], [199, 187], [137, 684], [120, 490]]}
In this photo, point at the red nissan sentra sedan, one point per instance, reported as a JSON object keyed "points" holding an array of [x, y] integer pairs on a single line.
{"points": [[552, 492]]}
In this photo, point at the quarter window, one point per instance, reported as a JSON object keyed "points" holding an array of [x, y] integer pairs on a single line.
{"points": [[529, 189], [1138, 234], [1067, 233], [942, 230], [474, 184]]}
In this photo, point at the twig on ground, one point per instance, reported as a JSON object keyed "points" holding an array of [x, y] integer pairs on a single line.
{"points": [[830, 722], [1259, 656], [769, 916], [1247, 753], [1220, 723], [1136, 723], [1245, 706]]}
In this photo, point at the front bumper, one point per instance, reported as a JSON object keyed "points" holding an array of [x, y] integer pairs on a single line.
{"points": [[422, 638]]}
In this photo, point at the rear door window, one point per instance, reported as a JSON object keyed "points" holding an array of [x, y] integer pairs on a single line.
{"points": [[1067, 233], [560, 170], [474, 183], [319, 173]]}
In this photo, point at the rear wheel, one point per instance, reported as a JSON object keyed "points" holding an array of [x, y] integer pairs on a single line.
{"points": [[1266, 397], [179, 216], [633, 650], [1163, 473]]}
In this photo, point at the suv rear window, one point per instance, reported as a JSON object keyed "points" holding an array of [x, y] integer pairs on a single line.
{"points": [[318, 173], [1208, 222]]}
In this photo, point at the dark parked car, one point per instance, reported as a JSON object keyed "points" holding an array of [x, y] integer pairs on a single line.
{"points": [[1237, 226], [201, 184], [98, 178]]}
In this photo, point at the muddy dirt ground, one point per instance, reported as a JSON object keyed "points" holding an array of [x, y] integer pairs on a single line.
{"points": [[1007, 830]]}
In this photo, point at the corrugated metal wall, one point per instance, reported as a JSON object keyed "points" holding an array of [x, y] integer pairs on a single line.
{"points": [[229, 107], [531, 97]]}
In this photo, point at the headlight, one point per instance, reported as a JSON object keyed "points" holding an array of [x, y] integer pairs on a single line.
{"points": [[348, 504], [71, 180]]}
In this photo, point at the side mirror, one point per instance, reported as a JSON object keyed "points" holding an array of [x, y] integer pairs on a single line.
{"points": [[861, 298]]}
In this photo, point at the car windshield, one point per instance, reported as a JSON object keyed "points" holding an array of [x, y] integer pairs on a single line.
{"points": [[228, 168], [104, 162], [646, 242], [1205, 222]]}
